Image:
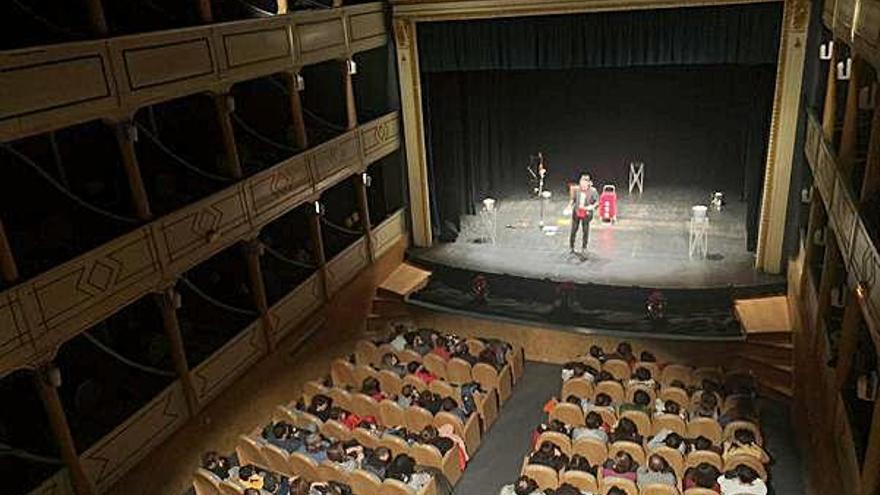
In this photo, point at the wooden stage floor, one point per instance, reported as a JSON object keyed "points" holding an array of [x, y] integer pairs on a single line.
{"points": [[647, 247]]}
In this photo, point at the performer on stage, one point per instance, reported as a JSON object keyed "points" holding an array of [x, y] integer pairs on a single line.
{"points": [[583, 199]]}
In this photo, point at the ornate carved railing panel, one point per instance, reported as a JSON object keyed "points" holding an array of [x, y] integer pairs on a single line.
{"points": [[295, 307], [347, 264], [212, 375], [380, 137], [388, 232], [842, 216], [40, 314], [114, 454], [50, 87]]}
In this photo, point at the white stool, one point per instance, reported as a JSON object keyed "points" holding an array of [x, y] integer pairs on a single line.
{"points": [[698, 239]]}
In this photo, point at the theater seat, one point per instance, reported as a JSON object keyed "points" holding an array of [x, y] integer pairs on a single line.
{"points": [[626, 485], [659, 490], [569, 414], [581, 480], [205, 482], [579, 387], [364, 483], [706, 427], [698, 457], [545, 476]]}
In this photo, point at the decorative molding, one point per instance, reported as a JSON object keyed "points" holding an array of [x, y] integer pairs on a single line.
{"points": [[50, 87], [128, 443], [388, 232], [436, 10], [295, 307], [220, 369], [341, 269], [39, 315]]}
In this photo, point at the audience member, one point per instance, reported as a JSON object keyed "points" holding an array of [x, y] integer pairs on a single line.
{"points": [[549, 455], [706, 406], [656, 472], [703, 475], [376, 461], [372, 388], [580, 463], [391, 362], [641, 377], [403, 468], [627, 431], [742, 480], [598, 353], [593, 429], [523, 486], [320, 406], [407, 396], [641, 402], [668, 438], [621, 466], [744, 443]]}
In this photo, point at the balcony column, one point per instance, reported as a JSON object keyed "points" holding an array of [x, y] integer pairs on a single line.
{"points": [[849, 336], [831, 277], [8, 267], [871, 182], [829, 111], [97, 19], [363, 205], [850, 133], [296, 111], [350, 104], [126, 134], [817, 219], [168, 302], [318, 248], [47, 379], [225, 105], [252, 252]]}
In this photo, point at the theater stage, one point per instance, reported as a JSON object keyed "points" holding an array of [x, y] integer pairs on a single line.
{"points": [[646, 247]]}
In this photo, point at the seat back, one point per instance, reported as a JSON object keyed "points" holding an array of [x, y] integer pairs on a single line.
{"points": [[415, 382], [395, 444], [391, 414], [706, 427], [485, 375], [592, 449], [444, 418], [229, 488], [205, 482], [545, 476], [303, 466], [340, 398], [618, 368], [657, 489], [444, 389], [679, 372], [652, 367], [675, 394], [250, 451], [674, 458], [366, 352], [342, 373], [408, 355], [633, 449], [364, 482], [395, 487], [331, 471], [608, 415], [365, 437], [417, 418], [591, 361], [568, 413], [560, 440], [698, 457], [626, 485], [613, 389], [312, 388], [364, 405], [458, 371], [672, 422], [426, 455], [700, 491], [335, 430], [733, 426], [747, 460], [475, 346], [390, 382], [581, 480], [632, 389], [435, 364], [579, 387], [361, 373], [277, 459], [642, 421], [707, 373]]}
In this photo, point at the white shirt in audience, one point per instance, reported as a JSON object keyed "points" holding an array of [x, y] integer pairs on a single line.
{"points": [[733, 486]]}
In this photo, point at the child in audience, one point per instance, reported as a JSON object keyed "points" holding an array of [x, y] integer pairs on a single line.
{"points": [[595, 428], [744, 443], [742, 480], [621, 466], [657, 472]]}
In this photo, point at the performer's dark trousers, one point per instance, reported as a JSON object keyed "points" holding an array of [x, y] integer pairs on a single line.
{"points": [[576, 223]]}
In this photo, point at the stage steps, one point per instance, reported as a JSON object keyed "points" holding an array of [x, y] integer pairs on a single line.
{"points": [[389, 302], [768, 349]]}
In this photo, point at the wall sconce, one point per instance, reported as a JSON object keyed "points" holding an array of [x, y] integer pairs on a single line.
{"points": [[826, 50], [368, 180], [319, 208], [844, 69], [299, 82], [352, 66]]}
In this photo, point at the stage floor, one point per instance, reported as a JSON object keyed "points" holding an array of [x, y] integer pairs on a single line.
{"points": [[647, 247]]}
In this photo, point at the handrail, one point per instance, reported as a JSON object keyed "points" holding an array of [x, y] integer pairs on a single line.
{"points": [[38, 315]]}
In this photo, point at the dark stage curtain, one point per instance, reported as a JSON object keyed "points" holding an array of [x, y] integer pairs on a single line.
{"points": [[698, 126], [739, 34]]}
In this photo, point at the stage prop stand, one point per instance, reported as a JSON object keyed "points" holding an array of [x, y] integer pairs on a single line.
{"points": [[871, 182], [168, 301], [296, 111], [783, 133], [413, 130], [829, 111], [47, 379], [636, 176], [849, 135], [97, 19]]}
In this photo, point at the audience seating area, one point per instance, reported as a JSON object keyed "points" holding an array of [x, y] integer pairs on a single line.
{"points": [[385, 407], [637, 427]]}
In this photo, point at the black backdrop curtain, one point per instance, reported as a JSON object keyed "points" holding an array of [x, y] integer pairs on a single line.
{"points": [[687, 91], [738, 34]]}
